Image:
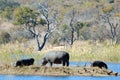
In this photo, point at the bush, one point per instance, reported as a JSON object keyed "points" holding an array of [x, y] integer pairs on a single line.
{"points": [[8, 13], [43, 22], [6, 8], [4, 37], [23, 15], [108, 8], [22, 35]]}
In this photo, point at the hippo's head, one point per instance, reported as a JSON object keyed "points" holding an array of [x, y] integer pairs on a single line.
{"points": [[32, 60], [44, 62], [18, 63]]}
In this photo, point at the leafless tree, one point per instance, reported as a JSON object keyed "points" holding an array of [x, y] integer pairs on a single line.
{"points": [[114, 25], [50, 24], [72, 21], [108, 19]]}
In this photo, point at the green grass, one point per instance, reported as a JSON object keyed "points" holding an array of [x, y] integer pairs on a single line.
{"points": [[80, 51]]}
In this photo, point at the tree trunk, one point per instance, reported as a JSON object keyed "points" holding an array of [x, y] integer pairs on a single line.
{"points": [[72, 27], [40, 47]]}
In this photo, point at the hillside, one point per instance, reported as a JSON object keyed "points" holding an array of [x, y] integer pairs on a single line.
{"points": [[95, 20]]}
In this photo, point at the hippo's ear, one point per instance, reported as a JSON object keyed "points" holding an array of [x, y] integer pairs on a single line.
{"points": [[44, 59], [32, 59]]}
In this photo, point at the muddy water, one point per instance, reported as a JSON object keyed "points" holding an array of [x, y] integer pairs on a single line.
{"points": [[112, 66]]}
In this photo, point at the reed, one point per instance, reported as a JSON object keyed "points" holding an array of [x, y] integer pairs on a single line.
{"points": [[79, 51]]}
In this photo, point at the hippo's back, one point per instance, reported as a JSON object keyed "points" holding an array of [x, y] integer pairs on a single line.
{"points": [[56, 54], [99, 64]]}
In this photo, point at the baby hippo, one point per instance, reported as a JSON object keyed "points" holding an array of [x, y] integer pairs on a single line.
{"points": [[24, 62], [56, 57], [99, 64]]}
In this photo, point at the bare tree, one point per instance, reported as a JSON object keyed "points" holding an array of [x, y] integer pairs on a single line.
{"points": [[108, 18], [50, 20], [72, 26], [114, 25], [50, 24]]}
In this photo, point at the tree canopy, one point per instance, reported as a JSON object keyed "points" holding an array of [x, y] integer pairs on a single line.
{"points": [[23, 15]]}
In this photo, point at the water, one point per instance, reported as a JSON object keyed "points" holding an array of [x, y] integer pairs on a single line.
{"points": [[112, 66], [11, 77]]}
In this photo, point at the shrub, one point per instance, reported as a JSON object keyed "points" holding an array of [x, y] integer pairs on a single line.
{"points": [[4, 37], [8, 13], [108, 8], [21, 35], [6, 8], [43, 22]]}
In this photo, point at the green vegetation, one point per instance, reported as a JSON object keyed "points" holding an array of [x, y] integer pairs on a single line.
{"points": [[4, 37], [8, 13], [6, 8], [23, 15]]}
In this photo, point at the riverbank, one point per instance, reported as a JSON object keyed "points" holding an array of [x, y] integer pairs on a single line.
{"points": [[56, 71]]}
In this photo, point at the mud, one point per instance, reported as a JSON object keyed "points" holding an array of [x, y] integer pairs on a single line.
{"points": [[56, 71]]}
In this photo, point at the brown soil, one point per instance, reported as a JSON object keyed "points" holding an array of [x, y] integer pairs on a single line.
{"points": [[57, 71]]}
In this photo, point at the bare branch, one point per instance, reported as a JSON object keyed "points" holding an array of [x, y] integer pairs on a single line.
{"points": [[72, 27], [46, 15]]}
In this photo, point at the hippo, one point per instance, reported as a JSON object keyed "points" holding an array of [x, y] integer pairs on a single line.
{"points": [[56, 57], [25, 62], [99, 64]]}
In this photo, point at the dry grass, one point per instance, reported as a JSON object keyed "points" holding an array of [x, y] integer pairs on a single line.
{"points": [[86, 51], [80, 51]]}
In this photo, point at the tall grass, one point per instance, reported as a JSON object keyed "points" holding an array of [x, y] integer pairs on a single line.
{"points": [[79, 51], [11, 52], [83, 51]]}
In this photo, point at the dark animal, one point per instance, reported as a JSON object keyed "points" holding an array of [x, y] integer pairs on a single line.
{"points": [[25, 62], [56, 57], [99, 64]]}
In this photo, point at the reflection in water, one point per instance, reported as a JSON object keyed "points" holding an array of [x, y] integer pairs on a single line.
{"points": [[112, 66]]}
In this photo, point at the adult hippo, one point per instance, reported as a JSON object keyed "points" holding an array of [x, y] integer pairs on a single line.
{"points": [[25, 62], [99, 64], [56, 57]]}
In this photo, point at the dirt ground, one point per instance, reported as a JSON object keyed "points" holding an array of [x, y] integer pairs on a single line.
{"points": [[56, 71]]}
